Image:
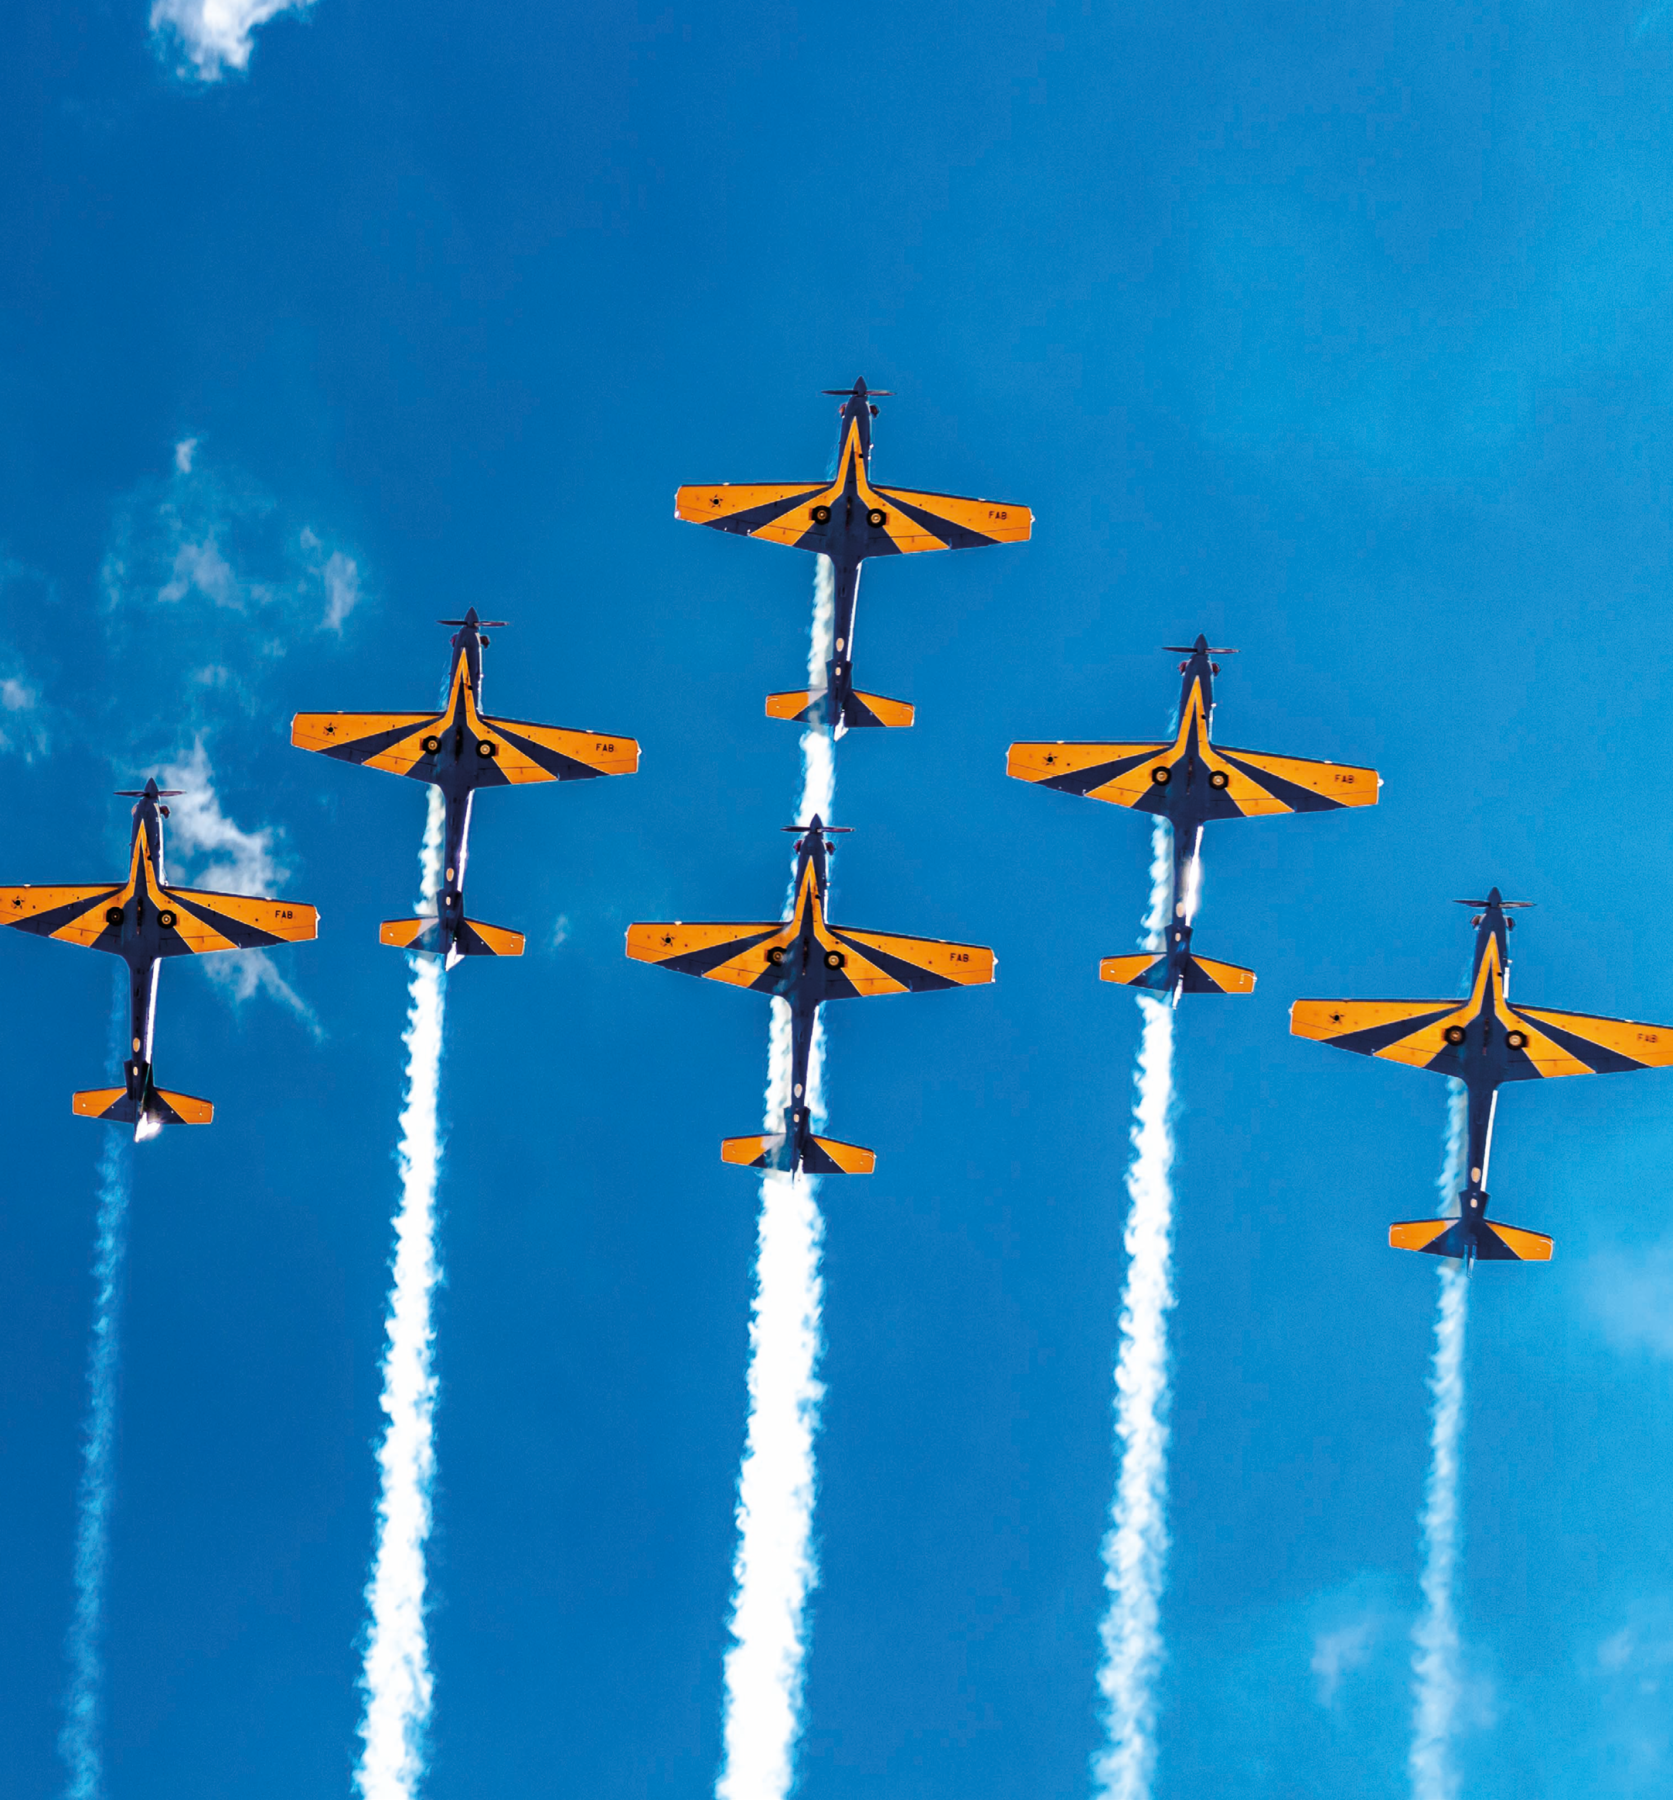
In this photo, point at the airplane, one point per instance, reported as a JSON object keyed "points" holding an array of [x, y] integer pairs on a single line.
{"points": [[1190, 782], [847, 519], [142, 920], [1482, 1041], [806, 960], [459, 750]]}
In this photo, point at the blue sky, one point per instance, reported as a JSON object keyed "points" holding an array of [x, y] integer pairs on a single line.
{"points": [[1340, 334]]}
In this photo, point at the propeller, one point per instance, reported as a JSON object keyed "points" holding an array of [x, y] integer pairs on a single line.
{"points": [[1191, 650], [1507, 904], [859, 391], [140, 793], [482, 624]]}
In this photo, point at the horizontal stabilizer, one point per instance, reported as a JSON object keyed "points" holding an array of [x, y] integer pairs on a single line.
{"points": [[427, 937], [1201, 976], [163, 1107], [760, 1152], [1205, 977], [806, 706], [873, 709], [1452, 1237], [801, 706], [825, 1156]]}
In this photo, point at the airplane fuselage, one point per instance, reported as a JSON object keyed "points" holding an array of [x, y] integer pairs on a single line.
{"points": [[1483, 1045], [1187, 800], [805, 978], [463, 750], [853, 534], [142, 909]]}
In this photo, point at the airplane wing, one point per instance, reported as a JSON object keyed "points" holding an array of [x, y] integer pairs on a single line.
{"points": [[393, 742], [916, 521], [883, 962], [1118, 773], [1258, 785], [780, 512], [737, 954], [1241, 784], [196, 921], [1565, 1043], [1405, 1031], [524, 752], [75, 915]]}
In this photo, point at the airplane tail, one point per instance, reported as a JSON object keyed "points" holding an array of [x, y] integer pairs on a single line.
{"points": [[1200, 975], [807, 706], [1481, 1240], [777, 1150], [159, 1107], [428, 937]]}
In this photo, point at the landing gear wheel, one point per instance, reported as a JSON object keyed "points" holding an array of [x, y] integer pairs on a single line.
{"points": [[1218, 778], [1518, 1040], [775, 955], [820, 515], [834, 959], [1161, 776], [431, 745], [1454, 1034], [485, 749], [166, 919], [877, 518]]}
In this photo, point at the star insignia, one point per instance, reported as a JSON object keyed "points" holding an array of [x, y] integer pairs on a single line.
{"points": [[331, 731], [666, 938], [714, 500], [1050, 760], [1336, 1018]]}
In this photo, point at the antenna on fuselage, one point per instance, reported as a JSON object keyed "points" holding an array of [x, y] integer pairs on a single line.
{"points": [[827, 831], [1505, 905]]}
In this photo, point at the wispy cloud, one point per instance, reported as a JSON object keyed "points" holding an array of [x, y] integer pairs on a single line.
{"points": [[208, 554], [237, 862], [560, 931], [1631, 1295], [215, 35], [1338, 1652], [22, 718], [342, 589]]}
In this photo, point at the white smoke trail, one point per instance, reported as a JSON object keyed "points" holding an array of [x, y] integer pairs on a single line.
{"points": [[78, 1742], [1136, 1547], [1438, 1684], [395, 1677], [774, 1569]]}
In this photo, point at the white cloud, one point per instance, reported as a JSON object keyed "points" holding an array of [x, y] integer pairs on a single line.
{"points": [[1629, 1681], [215, 35], [342, 587], [202, 567], [23, 732], [239, 862], [216, 550], [1339, 1652], [560, 930], [1632, 1296]]}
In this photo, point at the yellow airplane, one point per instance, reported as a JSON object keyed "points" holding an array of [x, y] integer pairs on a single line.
{"points": [[142, 920]]}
